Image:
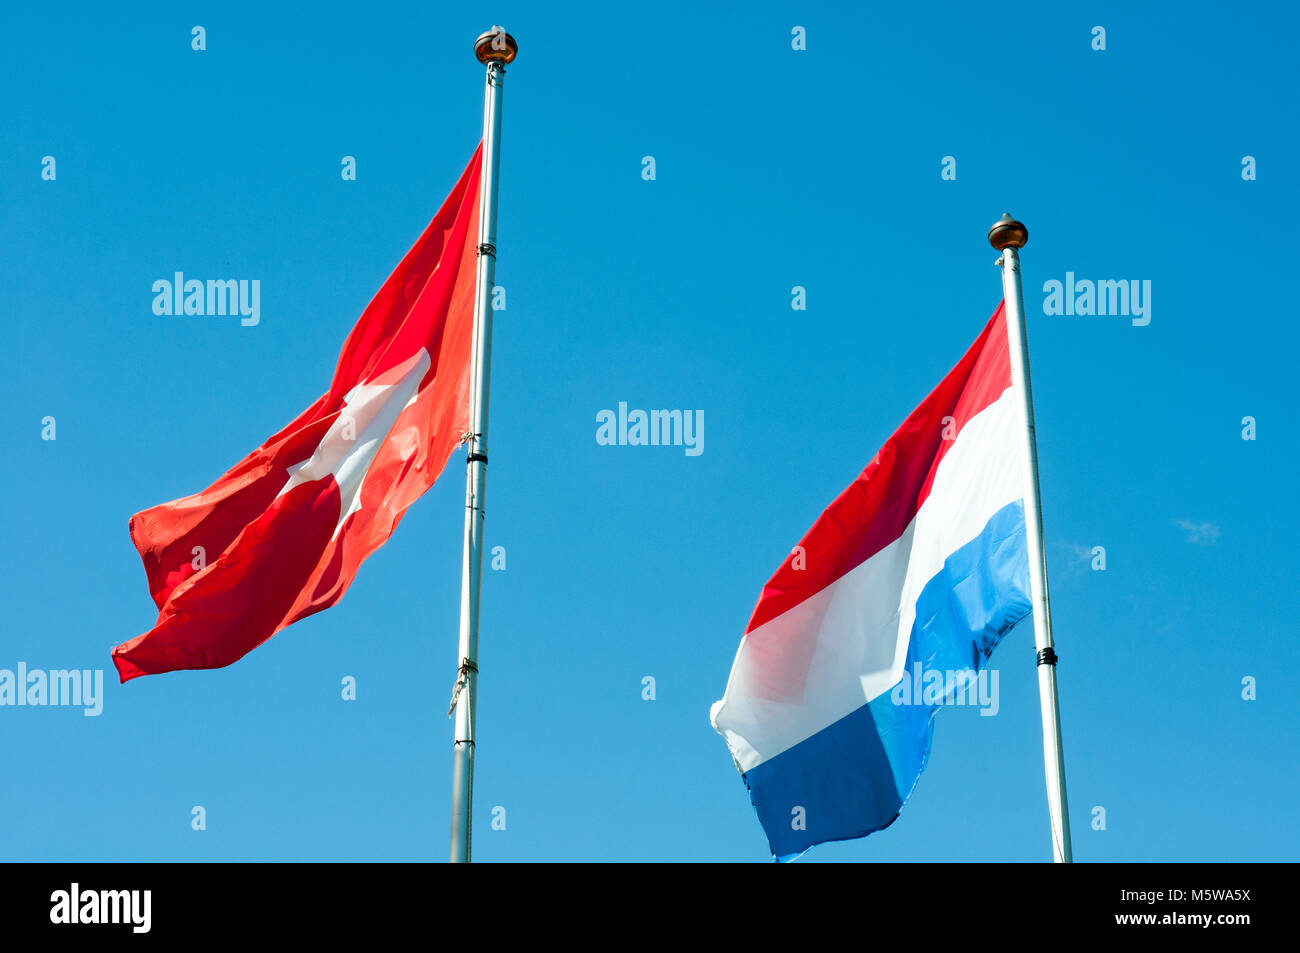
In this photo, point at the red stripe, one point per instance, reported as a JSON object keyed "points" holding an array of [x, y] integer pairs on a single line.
{"points": [[878, 506]]}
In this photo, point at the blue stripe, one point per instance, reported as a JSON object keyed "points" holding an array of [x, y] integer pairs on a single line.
{"points": [[853, 777]]}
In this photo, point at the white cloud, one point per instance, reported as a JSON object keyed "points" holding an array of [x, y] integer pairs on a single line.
{"points": [[1199, 532]]}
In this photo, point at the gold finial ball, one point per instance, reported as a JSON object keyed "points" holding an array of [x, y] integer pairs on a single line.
{"points": [[1008, 233], [496, 46]]}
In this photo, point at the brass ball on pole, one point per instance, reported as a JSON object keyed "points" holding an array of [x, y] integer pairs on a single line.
{"points": [[1007, 232], [496, 46]]}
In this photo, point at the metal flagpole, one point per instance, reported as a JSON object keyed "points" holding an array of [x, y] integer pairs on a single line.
{"points": [[1007, 235], [494, 49]]}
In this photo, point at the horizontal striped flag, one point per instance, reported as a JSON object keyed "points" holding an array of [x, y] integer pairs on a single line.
{"points": [[922, 561], [282, 534]]}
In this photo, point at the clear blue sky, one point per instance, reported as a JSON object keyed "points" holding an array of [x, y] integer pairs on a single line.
{"points": [[775, 168]]}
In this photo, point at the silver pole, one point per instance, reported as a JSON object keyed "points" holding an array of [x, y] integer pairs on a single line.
{"points": [[1007, 235], [494, 49]]}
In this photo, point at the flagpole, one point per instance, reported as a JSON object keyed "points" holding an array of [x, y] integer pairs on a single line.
{"points": [[1007, 235], [494, 49]]}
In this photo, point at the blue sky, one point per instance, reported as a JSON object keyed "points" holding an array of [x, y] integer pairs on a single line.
{"points": [[774, 168]]}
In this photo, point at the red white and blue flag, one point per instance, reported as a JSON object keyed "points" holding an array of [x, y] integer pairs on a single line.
{"points": [[282, 534], [921, 561]]}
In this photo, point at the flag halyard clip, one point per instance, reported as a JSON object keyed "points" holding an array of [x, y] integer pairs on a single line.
{"points": [[462, 677]]}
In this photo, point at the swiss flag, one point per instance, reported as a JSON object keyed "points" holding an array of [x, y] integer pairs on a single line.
{"points": [[281, 535]]}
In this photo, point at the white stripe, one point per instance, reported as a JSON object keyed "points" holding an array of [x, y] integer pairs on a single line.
{"points": [[854, 633], [352, 441]]}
